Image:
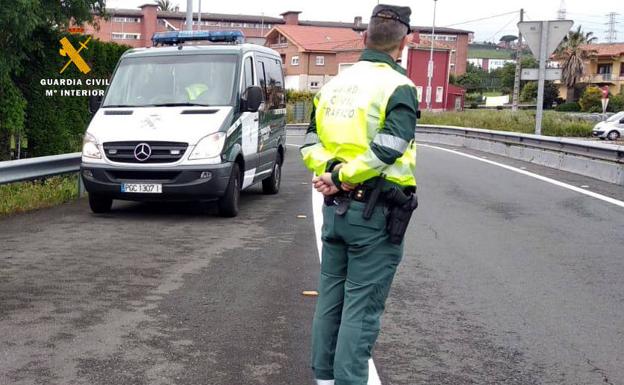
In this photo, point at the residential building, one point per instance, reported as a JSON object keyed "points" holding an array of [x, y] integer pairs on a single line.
{"points": [[490, 57], [135, 27], [605, 66], [456, 40], [444, 96], [312, 55]]}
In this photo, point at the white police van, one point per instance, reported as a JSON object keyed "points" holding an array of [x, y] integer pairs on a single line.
{"points": [[187, 122]]}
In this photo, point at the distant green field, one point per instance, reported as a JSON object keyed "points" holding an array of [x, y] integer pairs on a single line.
{"points": [[483, 53]]}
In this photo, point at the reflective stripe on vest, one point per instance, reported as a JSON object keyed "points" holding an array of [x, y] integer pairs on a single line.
{"points": [[351, 110]]}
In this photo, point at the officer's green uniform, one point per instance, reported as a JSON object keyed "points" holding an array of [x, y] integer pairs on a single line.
{"points": [[365, 119]]}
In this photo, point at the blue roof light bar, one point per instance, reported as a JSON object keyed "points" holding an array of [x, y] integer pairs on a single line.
{"points": [[179, 37]]}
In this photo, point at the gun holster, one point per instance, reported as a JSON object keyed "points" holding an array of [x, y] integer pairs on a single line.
{"points": [[401, 207]]}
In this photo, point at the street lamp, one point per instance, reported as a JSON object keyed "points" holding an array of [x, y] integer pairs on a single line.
{"points": [[430, 66]]}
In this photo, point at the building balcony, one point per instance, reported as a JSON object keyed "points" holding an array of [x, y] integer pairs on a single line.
{"points": [[278, 45], [603, 78]]}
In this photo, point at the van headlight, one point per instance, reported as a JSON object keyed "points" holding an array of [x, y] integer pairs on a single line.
{"points": [[209, 146], [90, 147]]}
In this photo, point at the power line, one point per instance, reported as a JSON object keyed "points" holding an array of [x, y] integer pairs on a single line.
{"points": [[505, 26], [481, 19]]}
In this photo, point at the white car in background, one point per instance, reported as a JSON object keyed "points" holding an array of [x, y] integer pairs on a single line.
{"points": [[612, 128]]}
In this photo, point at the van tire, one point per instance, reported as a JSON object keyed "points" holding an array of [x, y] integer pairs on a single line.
{"points": [[228, 204], [613, 135], [100, 204], [271, 185]]}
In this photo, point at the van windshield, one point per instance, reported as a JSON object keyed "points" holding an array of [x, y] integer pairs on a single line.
{"points": [[206, 80]]}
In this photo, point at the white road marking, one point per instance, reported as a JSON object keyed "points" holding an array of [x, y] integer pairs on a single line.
{"points": [[532, 175]]}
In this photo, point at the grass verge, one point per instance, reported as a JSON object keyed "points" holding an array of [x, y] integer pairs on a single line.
{"points": [[553, 124], [26, 196]]}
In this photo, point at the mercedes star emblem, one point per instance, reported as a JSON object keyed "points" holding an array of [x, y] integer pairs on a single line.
{"points": [[142, 152]]}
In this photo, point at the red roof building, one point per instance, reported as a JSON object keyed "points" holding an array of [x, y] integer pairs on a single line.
{"points": [[313, 55]]}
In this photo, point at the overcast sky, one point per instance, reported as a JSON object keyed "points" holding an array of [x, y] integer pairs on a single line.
{"points": [[591, 14]]}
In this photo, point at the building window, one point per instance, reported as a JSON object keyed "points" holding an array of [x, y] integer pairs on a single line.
{"points": [[126, 20], [604, 68], [126, 36], [344, 66], [320, 60], [314, 84], [439, 94], [294, 61], [419, 93]]}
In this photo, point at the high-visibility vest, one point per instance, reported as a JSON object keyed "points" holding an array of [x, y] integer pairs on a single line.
{"points": [[350, 111], [196, 89]]}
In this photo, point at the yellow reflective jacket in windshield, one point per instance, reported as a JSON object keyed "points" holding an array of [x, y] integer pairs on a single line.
{"points": [[365, 118]]}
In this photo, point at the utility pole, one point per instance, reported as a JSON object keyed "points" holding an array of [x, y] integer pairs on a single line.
{"points": [[430, 66], [516, 89], [611, 32], [561, 14], [189, 15], [199, 17]]}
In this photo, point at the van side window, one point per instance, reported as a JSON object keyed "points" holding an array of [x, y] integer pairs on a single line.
{"points": [[247, 73], [276, 80], [262, 77], [274, 86]]}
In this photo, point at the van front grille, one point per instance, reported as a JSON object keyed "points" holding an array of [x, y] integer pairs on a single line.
{"points": [[145, 152], [143, 175]]}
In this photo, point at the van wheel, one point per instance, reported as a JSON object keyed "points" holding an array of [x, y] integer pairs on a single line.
{"points": [[228, 205], [271, 185], [100, 203], [613, 135]]}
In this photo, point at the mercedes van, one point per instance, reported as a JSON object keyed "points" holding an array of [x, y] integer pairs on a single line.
{"points": [[187, 122]]}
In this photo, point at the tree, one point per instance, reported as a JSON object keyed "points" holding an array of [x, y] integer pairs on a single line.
{"points": [[573, 53], [20, 20], [590, 101], [165, 5], [529, 93]]}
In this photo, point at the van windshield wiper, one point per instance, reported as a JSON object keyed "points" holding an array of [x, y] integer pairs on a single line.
{"points": [[119, 106], [178, 105]]}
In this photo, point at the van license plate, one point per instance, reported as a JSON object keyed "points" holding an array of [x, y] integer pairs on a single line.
{"points": [[142, 188]]}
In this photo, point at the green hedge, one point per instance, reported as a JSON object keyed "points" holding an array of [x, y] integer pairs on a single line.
{"points": [[568, 107], [56, 124]]}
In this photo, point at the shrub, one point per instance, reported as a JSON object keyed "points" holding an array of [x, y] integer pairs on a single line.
{"points": [[293, 96], [590, 100], [616, 103], [554, 123], [568, 107]]}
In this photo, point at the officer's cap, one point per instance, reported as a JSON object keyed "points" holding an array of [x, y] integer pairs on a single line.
{"points": [[394, 12]]}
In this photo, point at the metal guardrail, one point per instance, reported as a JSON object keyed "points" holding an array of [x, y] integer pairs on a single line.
{"points": [[45, 166], [34, 168], [608, 152]]}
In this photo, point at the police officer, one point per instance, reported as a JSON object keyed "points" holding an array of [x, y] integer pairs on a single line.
{"points": [[361, 133]]}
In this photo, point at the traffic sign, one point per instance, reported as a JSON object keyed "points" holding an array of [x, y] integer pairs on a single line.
{"points": [[533, 74], [543, 37], [532, 32]]}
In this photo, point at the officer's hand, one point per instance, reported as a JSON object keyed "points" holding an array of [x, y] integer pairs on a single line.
{"points": [[347, 186], [324, 184]]}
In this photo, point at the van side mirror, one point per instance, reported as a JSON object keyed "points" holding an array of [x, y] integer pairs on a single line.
{"points": [[622, 121], [253, 98], [94, 103]]}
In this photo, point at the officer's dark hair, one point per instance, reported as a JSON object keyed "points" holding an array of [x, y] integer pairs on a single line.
{"points": [[385, 34]]}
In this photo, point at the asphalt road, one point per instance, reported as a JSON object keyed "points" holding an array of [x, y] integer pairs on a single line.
{"points": [[506, 280]]}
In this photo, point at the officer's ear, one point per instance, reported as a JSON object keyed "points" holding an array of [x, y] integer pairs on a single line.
{"points": [[365, 35], [404, 42]]}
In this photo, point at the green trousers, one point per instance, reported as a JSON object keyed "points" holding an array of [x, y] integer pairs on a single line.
{"points": [[357, 268]]}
